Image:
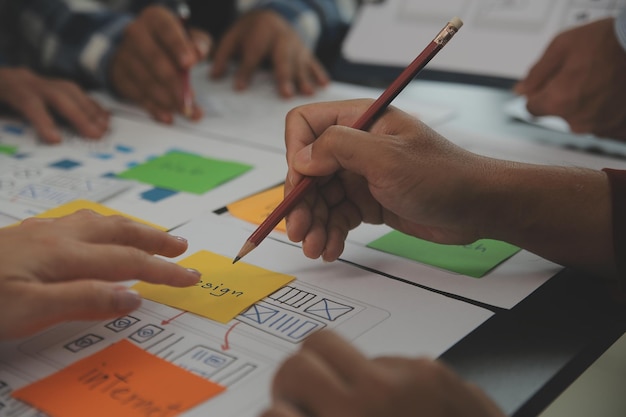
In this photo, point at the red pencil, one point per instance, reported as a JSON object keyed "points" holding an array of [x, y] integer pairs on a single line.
{"points": [[184, 14], [362, 123]]}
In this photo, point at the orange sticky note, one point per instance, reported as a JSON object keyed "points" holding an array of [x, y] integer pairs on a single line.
{"points": [[256, 208], [74, 206], [224, 290], [121, 380]]}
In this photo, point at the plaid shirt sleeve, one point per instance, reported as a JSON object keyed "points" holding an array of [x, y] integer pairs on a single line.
{"points": [[617, 179], [316, 21], [69, 39]]}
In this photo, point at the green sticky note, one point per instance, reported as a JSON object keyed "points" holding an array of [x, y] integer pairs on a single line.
{"points": [[181, 171], [8, 149], [474, 260]]}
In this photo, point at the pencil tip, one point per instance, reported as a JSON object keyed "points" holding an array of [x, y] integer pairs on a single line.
{"points": [[245, 249]]}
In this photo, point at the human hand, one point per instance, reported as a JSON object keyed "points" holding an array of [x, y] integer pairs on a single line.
{"points": [[264, 34], [407, 176], [39, 99], [581, 78], [329, 377], [149, 65], [399, 174], [64, 269]]}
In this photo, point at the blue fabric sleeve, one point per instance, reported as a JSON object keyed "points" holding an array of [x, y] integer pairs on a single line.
{"points": [[316, 21], [75, 40]]}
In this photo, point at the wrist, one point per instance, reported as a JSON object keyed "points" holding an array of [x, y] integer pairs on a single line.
{"points": [[560, 213]]}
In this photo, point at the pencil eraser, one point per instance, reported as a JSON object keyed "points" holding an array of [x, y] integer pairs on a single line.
{"points": [[456, 22]]}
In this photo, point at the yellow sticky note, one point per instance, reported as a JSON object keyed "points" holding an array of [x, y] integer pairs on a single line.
{"points": [[256, 208], [120, 380], [74, 206], [224, 291]]}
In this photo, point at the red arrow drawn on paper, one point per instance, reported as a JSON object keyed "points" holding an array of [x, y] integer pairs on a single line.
{"points": [[171, 319], [225, 345]]}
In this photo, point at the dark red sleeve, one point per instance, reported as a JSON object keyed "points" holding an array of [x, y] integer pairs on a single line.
{"points": [[617, 179]]}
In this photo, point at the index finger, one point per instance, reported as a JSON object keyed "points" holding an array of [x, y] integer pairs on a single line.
{"points": [[114, 262], [174, 40], [91, 227], [36, 112], [304, 124]]}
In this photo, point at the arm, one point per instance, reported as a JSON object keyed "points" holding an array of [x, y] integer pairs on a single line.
{"points": [[407, 176], [63, 39], [62, 269], [136, 51]]}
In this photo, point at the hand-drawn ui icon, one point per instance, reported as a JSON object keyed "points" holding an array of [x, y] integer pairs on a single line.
{"points": [[83, 342], [146, 333], [329, 309], [121, 323], [288, 325]]}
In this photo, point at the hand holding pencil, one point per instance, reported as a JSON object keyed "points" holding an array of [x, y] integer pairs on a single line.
{"points": [[363, 123], [147, 64]]}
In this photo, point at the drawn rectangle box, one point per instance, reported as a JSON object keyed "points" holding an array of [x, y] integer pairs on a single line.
{"points": [[278, 321], [238, 374], [204, 361]]}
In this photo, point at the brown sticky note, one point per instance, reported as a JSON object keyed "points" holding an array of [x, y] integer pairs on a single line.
{"points": [[120, 380]]}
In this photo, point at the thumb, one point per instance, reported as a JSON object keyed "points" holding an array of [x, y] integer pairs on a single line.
{"points": [[40, 306]]}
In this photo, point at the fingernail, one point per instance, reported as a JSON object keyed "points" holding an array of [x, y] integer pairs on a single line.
{"points": [[55, 136], [288, 89], [194, 271], [304, 155], [180, 239], [127, 299], [203, 47]]}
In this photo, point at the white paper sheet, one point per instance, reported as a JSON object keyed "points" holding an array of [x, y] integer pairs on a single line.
{"points": [[516, 109], [380, 315], [132, 142], [257, 115], [501, 38]]}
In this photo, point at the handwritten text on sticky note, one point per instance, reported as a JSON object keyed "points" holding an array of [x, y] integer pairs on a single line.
{"points": [[224, 291], [121, 380]]}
